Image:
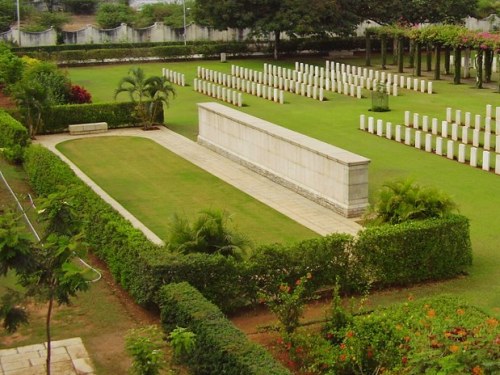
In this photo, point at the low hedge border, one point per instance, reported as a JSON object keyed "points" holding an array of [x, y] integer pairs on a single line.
{"points": [[384, 256], [220, 347], [12, 132]]}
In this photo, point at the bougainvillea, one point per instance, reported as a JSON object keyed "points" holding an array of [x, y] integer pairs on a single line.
{"points": [[79, 95]]}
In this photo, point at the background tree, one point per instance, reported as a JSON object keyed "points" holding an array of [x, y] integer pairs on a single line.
{"points": [[110, 15]]}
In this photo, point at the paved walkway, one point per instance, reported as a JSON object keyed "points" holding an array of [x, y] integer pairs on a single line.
{"points": [[68, 357], [304, 211]]}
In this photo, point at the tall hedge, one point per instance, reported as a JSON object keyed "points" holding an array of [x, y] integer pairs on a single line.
{"points": [[220, 347], [12, 132], [116, 114], [416, 251]]}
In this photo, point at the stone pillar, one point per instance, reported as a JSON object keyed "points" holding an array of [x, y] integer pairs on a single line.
{"points": [[461, 153], [473, 157], [439, 146], [486, 161], [450, 149], [428, 142]]}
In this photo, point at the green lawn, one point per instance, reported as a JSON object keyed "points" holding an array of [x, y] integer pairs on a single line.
{"points": [[157, 184], [336, 121]]}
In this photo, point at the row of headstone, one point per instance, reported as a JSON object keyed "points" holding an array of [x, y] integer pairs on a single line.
{"points": [[472, 62], [174, 77], [431, 143], [478, 124], [410, 83], [464, 134], [219, 92], [247, 86]]}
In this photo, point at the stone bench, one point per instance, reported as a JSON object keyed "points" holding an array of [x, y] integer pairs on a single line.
{"points": [[90, 128]]}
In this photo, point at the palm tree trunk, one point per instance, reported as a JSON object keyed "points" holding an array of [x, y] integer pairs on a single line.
{"points": [[457, 57], [479, 69], [383, 51], [447, 61], [437, 62], [429, 57], [368, 57], [400, 54], [418, 72], [276, 43]]}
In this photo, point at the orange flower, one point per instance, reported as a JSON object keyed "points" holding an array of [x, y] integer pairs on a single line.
{"points": [[404, 360], [460, 312], [492, 322], [410, 297], [298, 282], [350, 334], [477, 370], [431, 313], [342, 357], [284, 288], [454, 348], [369, 353], [342, 346]]}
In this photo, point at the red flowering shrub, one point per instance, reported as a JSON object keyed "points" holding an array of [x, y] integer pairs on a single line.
{"points": [[79, 95]]}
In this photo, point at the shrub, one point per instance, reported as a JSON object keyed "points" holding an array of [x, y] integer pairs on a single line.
{"points": [[145, 346], [416, 251], [79, 95], [80, 6], [112, 15], [115, 114], [220, 347], [11, 66], [12, 132]]}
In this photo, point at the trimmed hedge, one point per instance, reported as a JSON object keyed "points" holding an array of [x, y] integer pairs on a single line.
{"points": [[116, 114], [416, 251], [386, 256], [220, 347], [12, 132]]}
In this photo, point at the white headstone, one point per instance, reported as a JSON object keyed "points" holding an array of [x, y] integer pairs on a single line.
{"points": [[380, 128], [402, 82], [415, 84], [465, 135], [467, 119], [475, 138], [439, 146], [309, 93], [358, 92], [395, 89], [497, 164], [223, 94], [321, 94], [487, 141], [218, 92], [473, 157], [416, 120], [429, 88], [497, 144], [240, 99], [388, 130], [422, 86], [408, 136], [461, 153], [371, 124], [425, 123], [488, 110], [315, 92], [444, 129], [486, 160], [458, 117], [477, 122], [454, 132], [235, 98], [418, 139], [448, 114], [408, 83], [434, 126], [276, 96], [487, 125], [407, 118], [450, 149], [398, 133], [428, 142]]}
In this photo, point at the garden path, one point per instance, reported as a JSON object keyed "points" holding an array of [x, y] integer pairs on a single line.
{"points": [[304, 211]]}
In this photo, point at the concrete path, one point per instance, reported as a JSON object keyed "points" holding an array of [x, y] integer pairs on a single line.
{"points": [[304, 211], [68, 357]]}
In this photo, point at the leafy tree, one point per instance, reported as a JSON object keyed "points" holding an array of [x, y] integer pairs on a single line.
{"points": [[45, 20], [149, 94], [399, 201], [46, 270], [80, 6], [7, 14], [170, 14], [487, 7], [11, 66], [33, 101], [210, 233], [111, 15]]}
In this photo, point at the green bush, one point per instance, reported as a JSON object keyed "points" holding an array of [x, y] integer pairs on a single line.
{"points": [[116, 114], [416, 251], [11, 66], [12, 132], [220, 347], [112, 15]]}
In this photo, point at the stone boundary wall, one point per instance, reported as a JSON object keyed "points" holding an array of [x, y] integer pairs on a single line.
{"points": [[328, 175]]}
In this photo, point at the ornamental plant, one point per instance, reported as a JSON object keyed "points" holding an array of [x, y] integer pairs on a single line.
{"points": [[79, 95], [145, 346], [288, 303]]}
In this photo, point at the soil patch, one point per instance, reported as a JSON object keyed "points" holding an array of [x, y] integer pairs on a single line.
{"points": [[6, 102]]}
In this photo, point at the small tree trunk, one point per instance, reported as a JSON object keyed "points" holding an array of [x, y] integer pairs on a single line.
{"points": [[394, 51], [429, 57], [419, 59], [411, 60], [368, 57], [466, 63], [47, 328], [437, 62], [488, 63], [498, 70], [400, 54], [383, 51], [447, 55], [276, 43], [457, 56], [479, 69]]}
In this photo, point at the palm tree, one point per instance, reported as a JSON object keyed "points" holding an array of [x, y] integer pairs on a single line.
{"points": [[155, 90], [210, 233], [33, 101]]}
